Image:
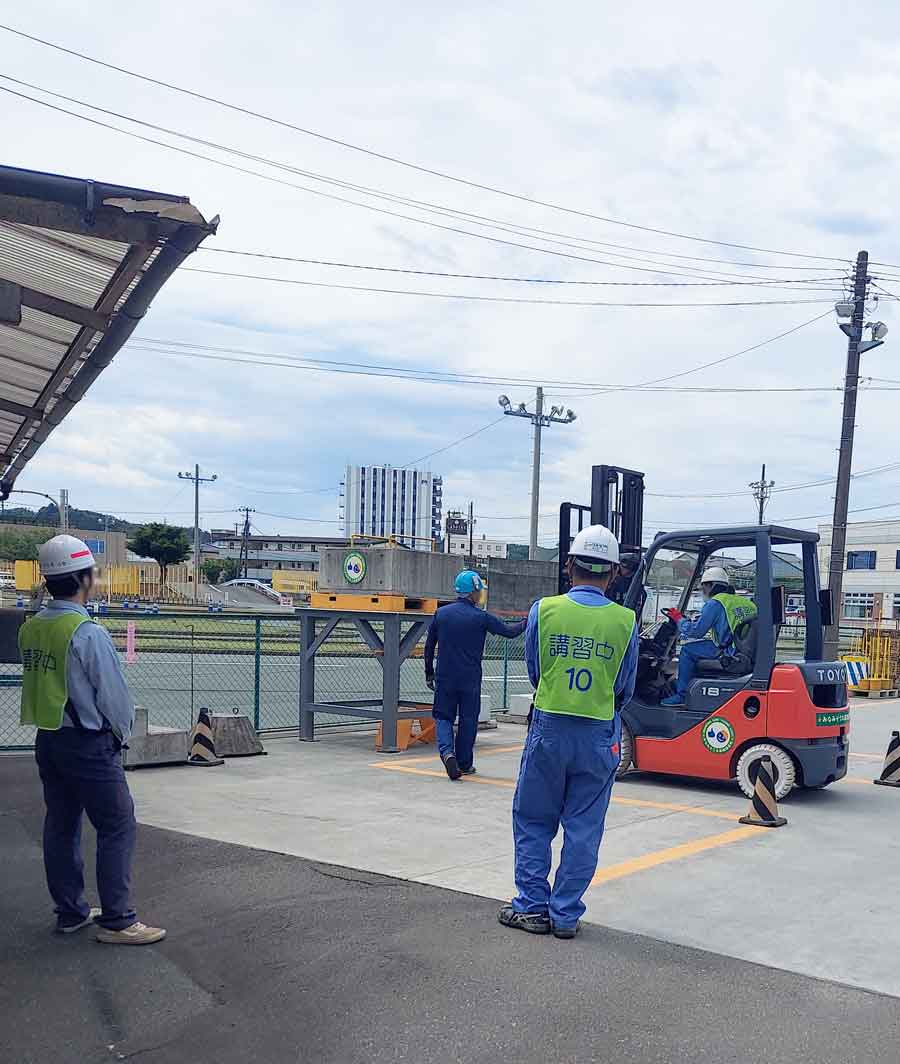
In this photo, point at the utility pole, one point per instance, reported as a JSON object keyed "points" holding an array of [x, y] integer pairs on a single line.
{"points": [[762, 489], [63, 510], [244, 560], [557, 416], [471, 527], [198, 480], [856, 346]]}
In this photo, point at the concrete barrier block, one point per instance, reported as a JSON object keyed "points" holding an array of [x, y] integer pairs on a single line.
{"points": [[485, 721], [159, 746], [234, 736], [518, 709]]}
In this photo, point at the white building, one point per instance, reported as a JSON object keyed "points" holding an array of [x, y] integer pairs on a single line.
{"points": [[384, 501], [482, 547], [871, 584]]}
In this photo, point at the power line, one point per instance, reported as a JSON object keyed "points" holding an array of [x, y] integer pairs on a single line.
{"points": [[804, 283], [403, 162], [490, 299]]}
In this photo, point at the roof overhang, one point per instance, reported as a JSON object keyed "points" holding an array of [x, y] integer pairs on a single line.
{"points": [[710, 540], [80, 262]]}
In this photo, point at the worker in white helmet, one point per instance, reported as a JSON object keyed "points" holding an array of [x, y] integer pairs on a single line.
{"points": [[713, 633], [581, 650], [74, 693]]}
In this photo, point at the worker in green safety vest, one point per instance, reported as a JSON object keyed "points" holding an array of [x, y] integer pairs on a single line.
{"points": [[581, 650], [713, 633], [74, 693]]}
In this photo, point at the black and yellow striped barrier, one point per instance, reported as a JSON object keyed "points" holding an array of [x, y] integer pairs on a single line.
{"points": [[203, 749], [890, 774], [763, 805]]}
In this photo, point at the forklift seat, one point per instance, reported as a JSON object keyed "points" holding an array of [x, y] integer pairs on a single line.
{"points": [[741, 662]]}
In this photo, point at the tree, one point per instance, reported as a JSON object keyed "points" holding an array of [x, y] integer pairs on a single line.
{"points": [[231, 568], [22, 544], [212, 570], [165, 544]]}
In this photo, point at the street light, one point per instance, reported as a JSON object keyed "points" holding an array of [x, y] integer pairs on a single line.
{"points": [[540, 420]]}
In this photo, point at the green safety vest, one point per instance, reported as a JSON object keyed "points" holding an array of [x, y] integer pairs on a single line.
{"points": [[581, 649], [738, 610], [44, 646]]}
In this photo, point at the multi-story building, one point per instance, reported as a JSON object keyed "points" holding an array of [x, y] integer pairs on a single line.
{"points": [[482, 547], [268, 554], [384, 501], [871, 582]]}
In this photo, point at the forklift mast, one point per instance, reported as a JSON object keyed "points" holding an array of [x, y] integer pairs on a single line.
{"points": [[617, 501]]}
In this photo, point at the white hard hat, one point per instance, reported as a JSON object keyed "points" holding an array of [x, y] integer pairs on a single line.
{"points": [[715, 574], [64, 554], [595, 543]]}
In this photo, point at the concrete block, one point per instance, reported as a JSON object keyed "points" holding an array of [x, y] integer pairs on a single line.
{"points": [[517, 713], [485, 721], [158, 746], [234, 736]]}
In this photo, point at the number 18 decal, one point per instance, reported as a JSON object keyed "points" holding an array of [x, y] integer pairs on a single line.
{"points": [[581, 679]]}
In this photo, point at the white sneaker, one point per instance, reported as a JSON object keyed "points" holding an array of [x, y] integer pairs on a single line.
{"points": [[70, 929], [137, 934]]}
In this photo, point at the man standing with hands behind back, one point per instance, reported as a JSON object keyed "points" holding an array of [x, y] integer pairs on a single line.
{"points": [[74, 693]]}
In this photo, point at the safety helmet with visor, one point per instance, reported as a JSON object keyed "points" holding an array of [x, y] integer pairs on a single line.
{"points": [[467, 582]]}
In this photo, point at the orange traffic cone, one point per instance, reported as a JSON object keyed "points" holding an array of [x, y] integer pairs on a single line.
{"points": [[763, 805], [203, 749], [890, 774]]}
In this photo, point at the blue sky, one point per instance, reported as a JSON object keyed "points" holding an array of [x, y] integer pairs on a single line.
{"points": [[746, 125]]}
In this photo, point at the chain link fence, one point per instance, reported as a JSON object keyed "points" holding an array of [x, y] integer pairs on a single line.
{"points": [[250, 664]]}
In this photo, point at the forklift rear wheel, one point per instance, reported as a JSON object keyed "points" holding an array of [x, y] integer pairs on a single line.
{"points": [[626, 750], [783, 768]]}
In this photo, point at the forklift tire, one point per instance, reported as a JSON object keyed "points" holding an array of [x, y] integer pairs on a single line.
{"points": [[626, 751], [783, 767]]}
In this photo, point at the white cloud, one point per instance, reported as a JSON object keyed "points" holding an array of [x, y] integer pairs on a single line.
{"points": [[698, 118]]}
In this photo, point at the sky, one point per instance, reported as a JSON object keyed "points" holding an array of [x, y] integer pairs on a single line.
{"points": [[741, 126]]}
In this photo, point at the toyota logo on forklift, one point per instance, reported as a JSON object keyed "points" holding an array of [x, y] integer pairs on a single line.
{"points": [[739, 699]]}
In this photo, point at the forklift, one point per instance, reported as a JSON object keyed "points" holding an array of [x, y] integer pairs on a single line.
{"points": [[740, 707]]}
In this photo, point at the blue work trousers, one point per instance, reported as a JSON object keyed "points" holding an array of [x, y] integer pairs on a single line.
{"points": [[688, 656], [566, 776], [82, 772], [460, 705]]}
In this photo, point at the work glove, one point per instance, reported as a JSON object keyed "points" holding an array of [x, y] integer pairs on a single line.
{"points": [[429, 682], [673, 614]]}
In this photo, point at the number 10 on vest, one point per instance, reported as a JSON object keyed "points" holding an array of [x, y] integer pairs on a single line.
{"points": [[580, 679]]}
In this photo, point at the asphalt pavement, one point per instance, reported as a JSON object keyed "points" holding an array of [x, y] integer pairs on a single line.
{"points": [[273, 958]]}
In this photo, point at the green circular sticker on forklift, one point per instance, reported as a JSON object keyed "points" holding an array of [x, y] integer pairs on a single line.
{"points": [[354, 567], [718, 735]]}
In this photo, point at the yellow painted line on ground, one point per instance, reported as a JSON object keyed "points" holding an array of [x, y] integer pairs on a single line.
{"points": [[868, 757], [493, 781], [481, 751], [672, 853], [855, 779]]}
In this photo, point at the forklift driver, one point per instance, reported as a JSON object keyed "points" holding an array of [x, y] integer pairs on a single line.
{"points": [[713, 631]]}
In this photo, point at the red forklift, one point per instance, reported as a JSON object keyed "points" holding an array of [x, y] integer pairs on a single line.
{"points": [[740, 707]]}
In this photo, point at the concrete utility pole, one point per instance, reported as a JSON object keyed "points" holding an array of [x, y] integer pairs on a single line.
{"points": [[244, 558], [471, 526], [855, 310], [557, 416], [762, 489], [198, 480], [63, 510]]}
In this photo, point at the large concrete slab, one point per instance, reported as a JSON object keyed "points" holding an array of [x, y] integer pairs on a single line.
{"points": [[272, 958], [817, 897]]}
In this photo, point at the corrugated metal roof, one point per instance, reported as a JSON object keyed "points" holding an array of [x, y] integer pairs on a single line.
{"points": [[73, 253]]}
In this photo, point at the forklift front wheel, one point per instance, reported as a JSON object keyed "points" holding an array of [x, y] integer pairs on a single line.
{"points": [[783, 767], [626, 751]]}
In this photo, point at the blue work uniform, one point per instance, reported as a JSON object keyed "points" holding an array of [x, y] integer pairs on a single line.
{"points": [[459, 630], [712, 618], [80, 766], [566, 776]]}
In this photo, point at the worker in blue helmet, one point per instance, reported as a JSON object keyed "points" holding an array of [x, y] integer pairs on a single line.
{"points": [[458, 631]]}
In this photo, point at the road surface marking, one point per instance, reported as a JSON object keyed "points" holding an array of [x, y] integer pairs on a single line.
{"points": [[492, 781], [481, 751], [868, 757], [672, 853]]}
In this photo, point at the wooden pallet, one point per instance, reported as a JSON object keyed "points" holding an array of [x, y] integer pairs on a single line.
{"points": [[884, 692]]}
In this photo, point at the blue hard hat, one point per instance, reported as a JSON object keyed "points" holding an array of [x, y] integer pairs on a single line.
{"points": [[467, 582]]}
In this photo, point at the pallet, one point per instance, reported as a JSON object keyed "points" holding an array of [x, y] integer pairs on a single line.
{"points": [[884, 692]]}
